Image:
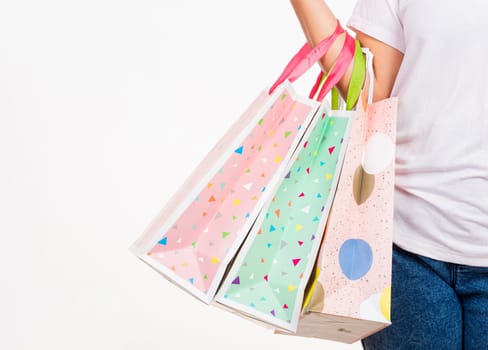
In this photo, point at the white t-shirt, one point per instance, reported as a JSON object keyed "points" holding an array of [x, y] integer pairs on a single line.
{"points": [[441, 198]]}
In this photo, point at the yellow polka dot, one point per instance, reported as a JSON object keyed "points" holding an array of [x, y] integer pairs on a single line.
{"points": [[277, 159], [328, 176], [237, 202], [215, 260], [385, 302]]}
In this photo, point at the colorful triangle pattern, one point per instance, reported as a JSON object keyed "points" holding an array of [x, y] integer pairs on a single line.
{"points": [[197, 244], [281, 256]]}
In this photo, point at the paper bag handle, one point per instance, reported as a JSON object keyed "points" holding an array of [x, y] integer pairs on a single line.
{"points": [[356, 83], [305, 58], [336, 72]]}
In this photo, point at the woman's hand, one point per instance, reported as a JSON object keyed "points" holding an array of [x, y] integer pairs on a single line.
{"points": [[318, 21]]}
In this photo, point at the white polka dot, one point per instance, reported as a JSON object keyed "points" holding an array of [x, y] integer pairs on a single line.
{"points": [[378, 153]]}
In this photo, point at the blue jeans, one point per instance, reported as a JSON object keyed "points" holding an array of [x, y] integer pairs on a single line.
{"points": [[435, 305]]}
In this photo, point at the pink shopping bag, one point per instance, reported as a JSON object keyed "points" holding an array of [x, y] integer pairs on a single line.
{"points": [[195, 237], [349, 297]]}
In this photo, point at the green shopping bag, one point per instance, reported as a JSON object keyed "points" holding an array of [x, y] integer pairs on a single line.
{"points": [[269, 276]]}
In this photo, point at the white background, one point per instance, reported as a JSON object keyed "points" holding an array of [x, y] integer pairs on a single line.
{"points": [[105, 107]]}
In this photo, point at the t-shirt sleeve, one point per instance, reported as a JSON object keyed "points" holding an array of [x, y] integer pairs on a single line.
{"points": [[379, 19]]}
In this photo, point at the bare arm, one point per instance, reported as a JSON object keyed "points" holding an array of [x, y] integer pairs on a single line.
{"points": [[318, 21]]}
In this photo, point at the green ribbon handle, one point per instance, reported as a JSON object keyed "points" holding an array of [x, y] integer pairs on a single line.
{"points": [[356, 82]]}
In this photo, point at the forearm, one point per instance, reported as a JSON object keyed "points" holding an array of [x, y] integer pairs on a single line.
{"points": [[318, 22]]}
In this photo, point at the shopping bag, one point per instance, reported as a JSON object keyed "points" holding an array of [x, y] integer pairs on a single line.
{"points": [[268, 278], [195, 237], [349, 297]]}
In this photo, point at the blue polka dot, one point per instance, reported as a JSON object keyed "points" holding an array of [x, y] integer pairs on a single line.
{"points": [[355, 258]]}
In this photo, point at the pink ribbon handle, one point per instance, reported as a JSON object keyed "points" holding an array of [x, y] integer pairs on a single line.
{"points": [[338, 70], [305, 58]]}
